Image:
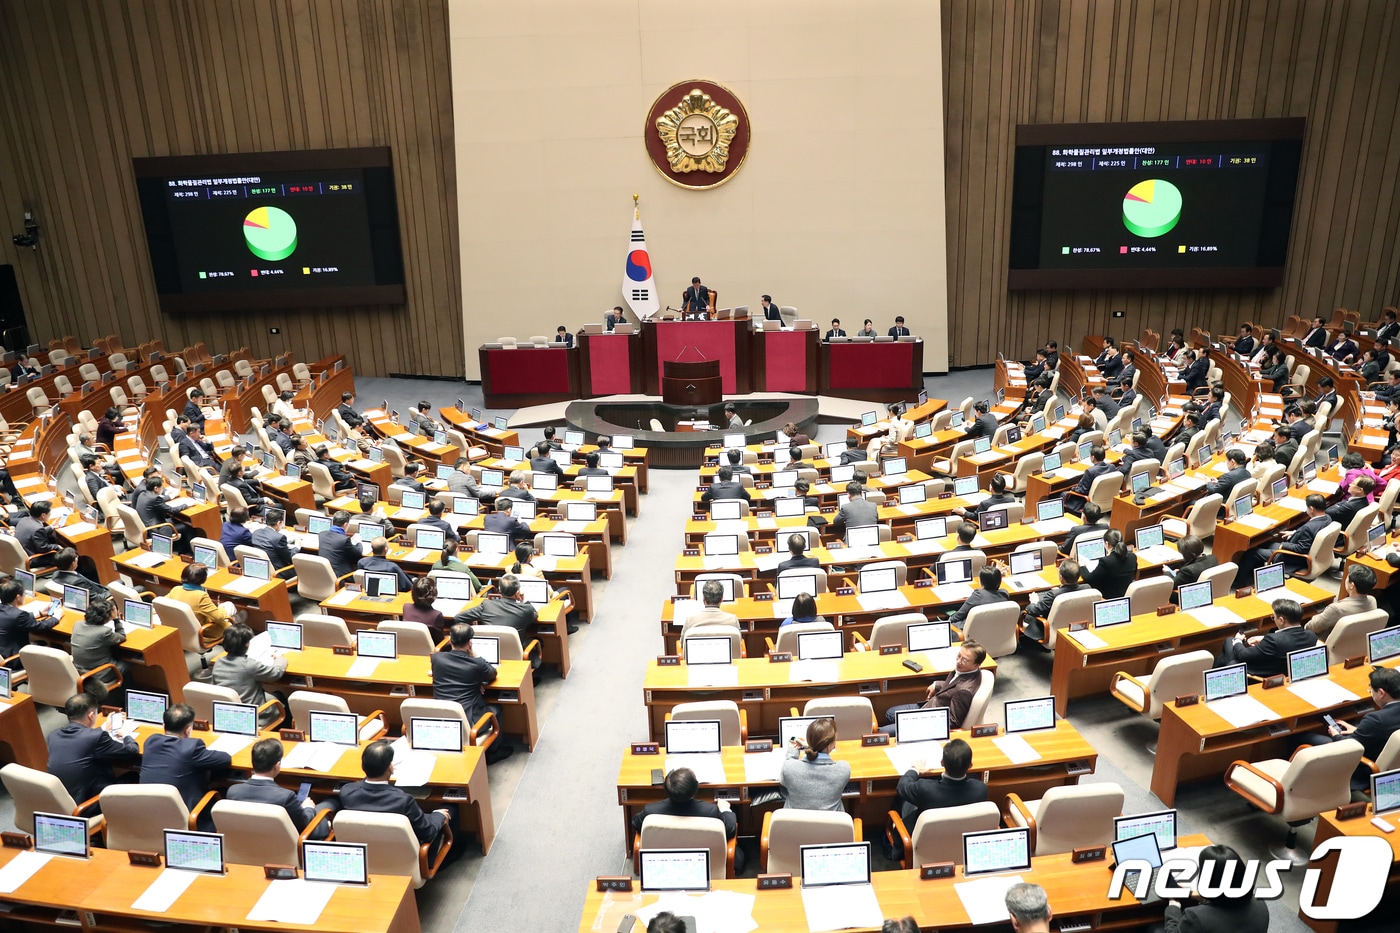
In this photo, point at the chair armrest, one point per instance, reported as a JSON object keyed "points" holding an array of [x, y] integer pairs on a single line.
{"points": [[897, 828], [792, 711], [340, 581], [90, 802], [859, 827], [383, 724], [763, 840], [1275, 807], [1120, 676], [1371, 765], [424, 868], [476, 731], [281, 715], [442, 645], [315, 821], [1014, 802], [206, 640], [772, 646], [109, 666], [729, 856], [530, 648], [743, 725], [857, 639], [204, 801]]}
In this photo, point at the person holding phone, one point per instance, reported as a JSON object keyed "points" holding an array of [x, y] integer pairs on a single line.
{"points": [[811, 779], [262, 787]]}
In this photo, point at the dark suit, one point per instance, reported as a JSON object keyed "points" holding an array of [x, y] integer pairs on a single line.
{"points": [[1094, 472], [852, 455], [1087, 528], [1112, 574], [697, 298], [1327, 398], [195, 414], [36, 538], [519, 615], [234, 534], [462, 679], [374, 564], [184, 763], [1157, 448], [350, 416], [954, 693], [979, 597], [566, 338], [722, 490], [546, 465], [82, 758], [1388, 331], [1227, 482], [1251, 916], [1190, 573], [687, 808], [1342, 349], [249, 494], [984, 425], [1316, 337], [770, 313], [382, 797], [1131, 456], [793, 563], [1276, 374], [1112, 367], [854, 514], [507, 524], [266, 790], [275, 544], [1343, 512], [899, 332], [917, 794], [95, 483], [1041, 607], [335, 546], [1245, 345], [1195, 375], [834, 332], [15, 626], [1373, 731], [1270, 655], [440, 524], [1284, 455], [201, 452]]}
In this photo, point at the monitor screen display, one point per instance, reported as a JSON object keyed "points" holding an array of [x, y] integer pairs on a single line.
{"points": [[1047, 510], [381, 584], [489, 542], [878, 580], [930, 528], [791, 584], [724, 510], [1306, 663], [954, 571], [819, 646], [374, 644], [1109, 612], [1051, 463], [839, 863], [1026, 562], [336, 862], [436, 735], [1029, 715], [431, 539], [487, 647], [721, 545], [965, 486], [256, 568], [56, 834], [1383, 644], [1161, 824], [340, 728], [912, 494], [285, 636], [206, 555], [193, 851], [1228, 681], [692, 736], [706, 649], [1385, 791], [412, 499], [921, 725], [995, 519], [1149, 536], [1269, 577], [1194, 595], [928, 636], [674, 869], [146, 707], [996, 850], [316, 524], [863, 536], [235, 718]]}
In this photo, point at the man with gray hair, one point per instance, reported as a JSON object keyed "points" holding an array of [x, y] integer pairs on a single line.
{"points": [[1029, 908], [712, 593], [511, 609]]}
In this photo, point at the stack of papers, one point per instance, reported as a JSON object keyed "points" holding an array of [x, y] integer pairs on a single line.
{"points": [[296, 901], [243, 585], [841, 907], [1292, 502], [342, 598], [1054, 526], [413, 768], [1016, 748], [926, 546], [1240, 711], [904, 756], [814, 671], [852, 554], [953, 592], [231, 743], [1322, 693], [314, 756], [1086, 638], [1322, 486], [1215, 616], [78, 528], [768, 562], [20, 869], [1255, 520], [165, 890], [764, 767], [984, 899], [708, 768], [875, 602], [363, 667], [146, 559], [714, 912], [1159, 554]]}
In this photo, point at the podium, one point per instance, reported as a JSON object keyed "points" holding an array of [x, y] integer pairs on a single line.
{"points": [[691, 384]]}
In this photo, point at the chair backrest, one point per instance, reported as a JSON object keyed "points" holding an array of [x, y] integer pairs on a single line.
{"points": [[1221, 577], [977, 710], [736, 638], [413, 637], [1318, 778], [1355, 534], [323, 631], [1076, 815], [1386, 500], [316, 578], [138, 815], [201, 697], [180, 616], [304, 702], [52, 676], [1387, 760], [726, 711], [993, 626], [855, 716], [978, 558], [255, 833], [218, 549], [688, 832], [1069, 608], [509, 643], [1026, 467], [1147, 594], [1174, 676], [1348, 637], [787, 635], [937, 836], [790, 830], [32, 790], [428, 708], [893, 630], [392, 847], [1321, 554], [1104, 488], [1200, 521], [900, 568]]}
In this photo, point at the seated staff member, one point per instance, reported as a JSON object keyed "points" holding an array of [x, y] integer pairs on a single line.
{"points": [[192, 593], [346, 410], [376, 795], [1194, 562], [461, 676], [681, 786], [711, 595], [1094, 523], [853, 452], [1355, 596], [1116, 570], [563, 338], [999, 498], [810, 778], [771, 312], [271, 537], [899, 330], [378, 562], [1098, 466], [244, 675], [503, 522], [867, 329], [152, 508], [835, 330], [262, 787], [952, 788], [1291, 551], [434, 519], [955, 692], [37, 536], [1266, 655], [95, 637], [732, 421], [984, 423], [1224, 913], [81, 754], [725, 486], [461, 482], [987, 594], [1238, 472], [179, 759]]}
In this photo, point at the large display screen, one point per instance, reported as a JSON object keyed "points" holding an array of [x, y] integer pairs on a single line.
{"points": [[272, 230], [1123, 205]]}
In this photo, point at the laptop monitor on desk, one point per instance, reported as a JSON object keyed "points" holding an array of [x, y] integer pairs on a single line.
{"points": [[375, 644], [1383, 644], [820, 646], [1269, 577], [921, 725], [674, 869], [435, 735], [284, 636], [996, 850], [335, 862], [1032, 715], [954, 571], [1228, 681], [1161, 823], [926, 529], [837, 863], [1109, 612], [709, 649], [234, 718], [146, 707], [340, 728], [692, 736], [928, 636], [1194, 595], [57, 834], [1307, 663]]}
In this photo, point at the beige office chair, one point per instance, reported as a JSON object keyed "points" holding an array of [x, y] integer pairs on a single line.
{"points": [[509, 642], [854, 716], [937, 835], [1174, 676], [1355, 534], [260, 833], [785, 832], [900, 568], [736, 638], [993, 626], [414, 638], [1221, 578], [316, 579], [1348, 638], [483, 732], [1322, 555], [34, 791], [1067, 609], [1316, 778], [198, 642], [1149, 593], [304, 702], [787, 635], [392, 847], [733, 721], [688, 832], [816, 574], [323, 631], [138, 814], [202, 696], [53, 678], [978, 558], [977, 709], [1067, 817], [218, 549], [889, 630], [1026, 467]]}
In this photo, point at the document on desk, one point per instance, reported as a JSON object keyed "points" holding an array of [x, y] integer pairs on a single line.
{"points": [[1322, 486], [1214, 616], [414, 768], [766, 563], [851, 554], [1253, 520], [1240, 711], [21, 868], [764, 767], [1016, 748], [766, 524], [730, 562], [708, 767], [1159, 554], [985, 898], [953, 592], [712, 675], [78, 528], [231, 743], [363, 667], [782, 608], [545, 563], [1322, 693], [714, 912], [841, 907], [1292, 502], [573, 528], [1086, 639], [816, 672], [343, 598], [165, 890], [904, 756], [314, 756], [293, 902], [876, 602], [926, 546], [1053, 526], [683, 609], [243, 585], [146, 560]]}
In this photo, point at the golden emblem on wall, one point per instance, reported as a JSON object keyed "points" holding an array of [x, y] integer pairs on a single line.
{"points": [[697, 134]]}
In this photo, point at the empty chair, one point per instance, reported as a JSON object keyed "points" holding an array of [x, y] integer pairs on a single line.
{"points": [[260, 833], [138, 814], [660, 831], [392, 847], [323, 631], [855, 716], [1316, 778], [38, 791], [508, 642], [890, 630], [993, 627], [316, 579], [1067, 817], [1149, 593], [785, 832], [937, 835], [733, 721], [201, 697], [1221, 578], [89, 373], [1174, 676]]}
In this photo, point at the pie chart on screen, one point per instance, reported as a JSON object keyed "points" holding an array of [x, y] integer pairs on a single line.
{"points": [[270, 232], [1152, 208]]}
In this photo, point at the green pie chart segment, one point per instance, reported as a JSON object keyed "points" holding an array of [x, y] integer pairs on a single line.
{"points": [[1152, 208], [271, 233]]}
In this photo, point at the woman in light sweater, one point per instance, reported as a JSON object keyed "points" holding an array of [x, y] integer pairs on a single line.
{"points": [[811, 779]]}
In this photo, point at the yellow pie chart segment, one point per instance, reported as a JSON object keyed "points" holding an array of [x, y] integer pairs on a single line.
{"points": [[1152, 208]]}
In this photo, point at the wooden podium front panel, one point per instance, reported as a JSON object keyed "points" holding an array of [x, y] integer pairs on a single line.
{"points": [[691, 384], [610, 364], [692, 341], [528, 376], [896, 367], [785, 361]]}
